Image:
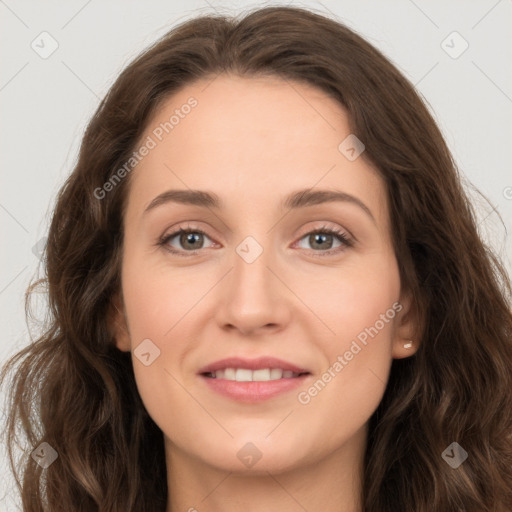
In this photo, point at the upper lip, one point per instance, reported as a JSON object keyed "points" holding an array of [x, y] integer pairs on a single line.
{"points": [[252, 364]]}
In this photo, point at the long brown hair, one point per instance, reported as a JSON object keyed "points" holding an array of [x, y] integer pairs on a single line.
{"points": [[76, 391]]}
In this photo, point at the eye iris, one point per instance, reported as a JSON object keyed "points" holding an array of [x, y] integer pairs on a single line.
{"points": [[313, 240], [186, 238]]}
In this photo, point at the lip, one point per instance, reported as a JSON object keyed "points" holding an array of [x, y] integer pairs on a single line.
{"points": [[252, 364], [253, 392]]}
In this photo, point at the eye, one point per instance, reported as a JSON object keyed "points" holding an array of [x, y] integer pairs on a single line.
{"points": [[323, 239], [190, 239]]}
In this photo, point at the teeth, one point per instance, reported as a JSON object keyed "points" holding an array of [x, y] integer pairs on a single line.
{"points": [[276, 373], [261, 375], [229, 374], [245, 375]]}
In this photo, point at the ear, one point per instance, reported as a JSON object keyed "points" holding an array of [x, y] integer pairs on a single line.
{"points": [[118, 325], [406, 340]]}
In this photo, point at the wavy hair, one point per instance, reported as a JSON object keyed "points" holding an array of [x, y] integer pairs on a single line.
{"points": [[72, 387]]}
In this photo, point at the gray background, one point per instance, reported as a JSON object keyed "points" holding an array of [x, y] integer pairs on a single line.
{"points": [[46, 103]]}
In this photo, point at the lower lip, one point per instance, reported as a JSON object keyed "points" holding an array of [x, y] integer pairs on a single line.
{"points": [[253, 391]]}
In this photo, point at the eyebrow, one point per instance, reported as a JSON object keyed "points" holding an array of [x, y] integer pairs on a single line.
{"points": [[293, 201]]}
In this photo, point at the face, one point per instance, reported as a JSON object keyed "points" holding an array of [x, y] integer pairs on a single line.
{"points": [[264, 283]]}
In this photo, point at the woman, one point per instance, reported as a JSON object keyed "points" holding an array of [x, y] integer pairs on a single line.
{"points": [[257, 370]]}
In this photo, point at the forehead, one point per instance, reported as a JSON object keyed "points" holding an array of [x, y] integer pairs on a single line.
{"points": [[251, 141]]}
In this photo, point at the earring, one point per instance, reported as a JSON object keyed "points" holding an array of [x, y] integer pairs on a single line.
{"points": [[408, 344]]}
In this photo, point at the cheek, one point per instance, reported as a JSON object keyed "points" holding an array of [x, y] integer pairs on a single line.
{"points": [[156, 297], [360, 308], [157, 302], [351, 299]]}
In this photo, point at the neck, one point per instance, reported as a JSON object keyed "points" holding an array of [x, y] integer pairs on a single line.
{"points": [[331, 484]]}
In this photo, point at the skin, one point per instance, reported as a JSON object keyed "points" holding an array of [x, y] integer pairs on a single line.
{"points": [[251, 142]]}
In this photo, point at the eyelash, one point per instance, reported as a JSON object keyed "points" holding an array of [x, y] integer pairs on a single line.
{"points": [[340, 235]]}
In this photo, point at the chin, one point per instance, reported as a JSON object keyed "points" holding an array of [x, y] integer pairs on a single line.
{"points": [[257, 457]]}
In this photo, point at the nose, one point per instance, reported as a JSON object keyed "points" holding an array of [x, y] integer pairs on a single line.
{"points": [[254, 297]]}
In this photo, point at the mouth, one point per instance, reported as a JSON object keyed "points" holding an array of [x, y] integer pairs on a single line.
{"points": [[247, 375], [254, 380]]}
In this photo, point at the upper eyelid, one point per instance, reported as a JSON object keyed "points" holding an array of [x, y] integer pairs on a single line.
{"points": [[325, 225]]}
